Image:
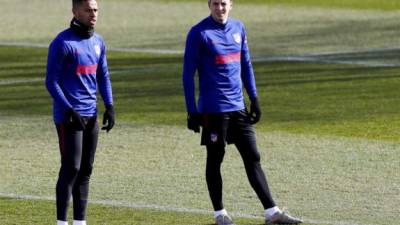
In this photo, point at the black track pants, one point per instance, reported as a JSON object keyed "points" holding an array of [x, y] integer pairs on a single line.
{"points": [[233, 127], [77, 150]]}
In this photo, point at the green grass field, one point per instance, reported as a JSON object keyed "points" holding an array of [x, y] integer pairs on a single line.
{"points": [[353, 4], [329, 136]]}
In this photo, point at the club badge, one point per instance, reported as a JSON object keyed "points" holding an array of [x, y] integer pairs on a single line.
{"points": [[214, 137], [237, 37], [97, 49]]}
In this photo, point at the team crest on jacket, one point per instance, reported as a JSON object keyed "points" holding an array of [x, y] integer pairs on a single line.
{"points": [[214, 137], [97, 49], [237, 37]]}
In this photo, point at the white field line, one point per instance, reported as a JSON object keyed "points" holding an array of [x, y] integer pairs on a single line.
{"points": [[138, 50], [20, 81], [147, 50], [321, 59], [170, 208], [317, 57]]}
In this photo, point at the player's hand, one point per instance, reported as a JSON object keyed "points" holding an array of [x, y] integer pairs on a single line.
{"points": [[255, 111], [108, 118], [75, 120], [194, 122]]}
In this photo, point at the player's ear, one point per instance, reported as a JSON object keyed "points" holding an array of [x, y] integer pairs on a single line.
{"points": [[74, 11]]}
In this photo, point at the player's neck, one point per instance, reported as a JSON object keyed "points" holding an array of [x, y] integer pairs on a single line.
{"points": [[220, 22], [81, 29]]}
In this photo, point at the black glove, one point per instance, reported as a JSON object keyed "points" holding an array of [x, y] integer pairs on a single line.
{"points": [[255, 111], [108, 118], [74, 119], [194, 122]]}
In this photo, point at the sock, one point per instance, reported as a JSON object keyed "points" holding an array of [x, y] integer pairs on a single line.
{"points": [[79, 222], [271, 211], [220, 212], [60, 222]]}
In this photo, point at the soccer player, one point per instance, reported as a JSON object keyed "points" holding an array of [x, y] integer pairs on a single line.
{"points": [[217, 49], [76, 68]]}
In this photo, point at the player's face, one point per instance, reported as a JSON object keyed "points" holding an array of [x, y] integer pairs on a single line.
{"points": [[220, 9], [86, 13]]}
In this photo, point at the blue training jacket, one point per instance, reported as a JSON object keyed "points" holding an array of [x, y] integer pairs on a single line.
{"points": [[75, 68], [220, 55]]}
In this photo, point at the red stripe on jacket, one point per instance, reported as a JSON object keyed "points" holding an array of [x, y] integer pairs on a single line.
{"points": [[85, 70], [228, 58]]}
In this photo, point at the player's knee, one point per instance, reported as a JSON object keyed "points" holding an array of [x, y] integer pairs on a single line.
{"points": [[69, 171], [252, 159], [215, 157], [256, 157], [86, 171]]}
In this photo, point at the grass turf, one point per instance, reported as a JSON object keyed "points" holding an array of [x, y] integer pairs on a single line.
{"points": [[272, 29], [348, 4], [306, 107], [323, 99], [24, 212], [314, 102], [152, 166]]}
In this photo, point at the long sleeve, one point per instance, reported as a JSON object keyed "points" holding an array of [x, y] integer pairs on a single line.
{"points": [[247, 74], [190, 65], [57, 55], [103, 78]]}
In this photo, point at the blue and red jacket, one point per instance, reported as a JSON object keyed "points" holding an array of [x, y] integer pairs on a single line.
{"points": [[76, 67], [220, 55]]}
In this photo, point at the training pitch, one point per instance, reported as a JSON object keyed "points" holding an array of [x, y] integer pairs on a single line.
{"points": [[327, 76]]}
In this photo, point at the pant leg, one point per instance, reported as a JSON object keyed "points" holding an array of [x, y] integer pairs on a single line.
{"points": [[245, 141], [70, 143], [215, 156], [81, 187], [213, 137]]}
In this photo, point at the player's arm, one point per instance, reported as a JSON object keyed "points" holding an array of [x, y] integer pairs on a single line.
{"points": [[104, 83], [55, 64], [56, 57], [248, 79], [190, 66]]}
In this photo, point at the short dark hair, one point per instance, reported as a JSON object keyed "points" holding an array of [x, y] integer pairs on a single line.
{"points": [[75, 3], [209, 1]]}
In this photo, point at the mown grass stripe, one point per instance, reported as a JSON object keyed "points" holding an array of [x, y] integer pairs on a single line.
{"points": [[171, 209], [315, 58], [136, 50], [20, 81]]}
